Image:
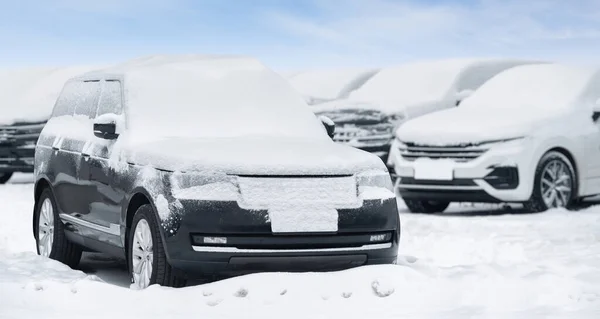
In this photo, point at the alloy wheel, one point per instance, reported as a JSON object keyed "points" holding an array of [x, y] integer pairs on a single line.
{"points": [[142, 254], [557, 184], [46, 228]]}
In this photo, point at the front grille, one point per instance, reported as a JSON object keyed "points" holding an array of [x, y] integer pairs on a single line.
{"points": [[364, 134], [20, 134], [456, 153]]}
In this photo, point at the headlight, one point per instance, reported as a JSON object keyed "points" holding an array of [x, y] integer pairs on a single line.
{"points": [[396, 118], [375, 178], [205, 186]]}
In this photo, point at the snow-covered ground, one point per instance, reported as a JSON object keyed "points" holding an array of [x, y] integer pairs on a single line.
{"points": [[473, 262]]}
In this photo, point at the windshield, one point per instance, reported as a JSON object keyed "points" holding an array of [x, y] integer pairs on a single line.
{"points": [[544, 87], [216, 101], [410, 83], [329, 84]]}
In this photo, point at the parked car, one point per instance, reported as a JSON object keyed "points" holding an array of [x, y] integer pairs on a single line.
{"points": [[27, 96], [529, 135], [320, 86], [209, 166], [369, 117]]}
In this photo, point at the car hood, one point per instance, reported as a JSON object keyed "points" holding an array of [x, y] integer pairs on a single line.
{"points": [[253, 156], [463, 126]]}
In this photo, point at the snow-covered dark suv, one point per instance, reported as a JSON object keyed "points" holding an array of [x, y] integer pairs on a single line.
{"points": [[209, 166]]}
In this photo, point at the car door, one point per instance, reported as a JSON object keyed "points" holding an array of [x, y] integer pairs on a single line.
{"points": [[105, 196], [80, 98]]}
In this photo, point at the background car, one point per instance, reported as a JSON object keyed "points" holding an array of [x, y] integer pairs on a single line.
{"points": [[529, 135], [27, 97], [368, 118], [319, 86]]}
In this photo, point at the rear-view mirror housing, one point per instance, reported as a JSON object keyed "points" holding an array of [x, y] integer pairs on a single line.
{"points": [[328, 124]]}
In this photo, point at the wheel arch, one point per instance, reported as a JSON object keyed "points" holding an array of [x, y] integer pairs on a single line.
{"points": [[139, 197], [40, 185]]}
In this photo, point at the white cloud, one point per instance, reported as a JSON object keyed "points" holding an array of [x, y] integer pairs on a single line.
{"points": [[413, 29]]}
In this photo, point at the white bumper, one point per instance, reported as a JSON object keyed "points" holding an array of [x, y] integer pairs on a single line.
{"points": [[518, 153]]}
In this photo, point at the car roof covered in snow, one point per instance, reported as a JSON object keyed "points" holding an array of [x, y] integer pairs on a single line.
{"points": [[222, 95], [417, 81], [329, 84], [28, 95], [550, 86]]}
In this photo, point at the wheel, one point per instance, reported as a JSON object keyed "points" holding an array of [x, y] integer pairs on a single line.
{"points": [[4, 177], [147, 259], [555, 184], [49, 231], [426, 206]]}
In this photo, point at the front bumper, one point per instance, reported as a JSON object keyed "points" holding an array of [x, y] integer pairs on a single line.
{"points": [[252, 247], [16, 158], [477, 179]]}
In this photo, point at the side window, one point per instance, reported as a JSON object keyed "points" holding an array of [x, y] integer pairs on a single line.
{"points": [[64, 104], [111, 100], [83, 97]]}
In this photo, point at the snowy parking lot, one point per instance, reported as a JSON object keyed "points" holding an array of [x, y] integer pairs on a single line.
{"points": [[479, 262]]}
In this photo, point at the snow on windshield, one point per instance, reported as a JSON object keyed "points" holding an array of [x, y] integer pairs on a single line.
{"points": [[411, 83], [329, 84], [215, 97], [543, 86]]}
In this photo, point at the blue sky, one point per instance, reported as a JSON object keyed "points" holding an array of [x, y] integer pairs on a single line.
{"points": [[295, 34]]}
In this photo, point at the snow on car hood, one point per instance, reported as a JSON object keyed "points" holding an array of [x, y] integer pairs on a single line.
{"points": [[461, 126], [253, 156]]}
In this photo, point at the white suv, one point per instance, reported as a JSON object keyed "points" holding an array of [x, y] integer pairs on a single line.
{"points": [[528, 135]]}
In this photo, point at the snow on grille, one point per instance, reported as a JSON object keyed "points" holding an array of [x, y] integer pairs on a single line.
{"points": [[278, 192]]}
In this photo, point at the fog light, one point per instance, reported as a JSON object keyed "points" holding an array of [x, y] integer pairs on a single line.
{"points": [[215, 240]]}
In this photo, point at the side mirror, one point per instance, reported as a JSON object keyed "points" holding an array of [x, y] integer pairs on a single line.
{"points": [[328, 124], [107, 126], [460, 96], [596, 110]]}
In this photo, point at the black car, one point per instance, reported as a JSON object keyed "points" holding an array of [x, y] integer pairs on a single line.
{"points": [[205, 167], [17, 148]]}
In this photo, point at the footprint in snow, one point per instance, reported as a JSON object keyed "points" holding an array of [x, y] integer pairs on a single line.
{"points": [[206, 293], [214, 302], [241, 293], [346, 295], [381, 290], [410, 259], [283, 292]]}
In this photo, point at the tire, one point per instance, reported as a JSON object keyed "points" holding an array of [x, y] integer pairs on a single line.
{"points": [[61, 249], [4, 177], [161, 272], [426, 206], [536, 202]]}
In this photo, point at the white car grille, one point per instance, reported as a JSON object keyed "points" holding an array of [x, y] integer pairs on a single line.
{"points": [[456, 153]]}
